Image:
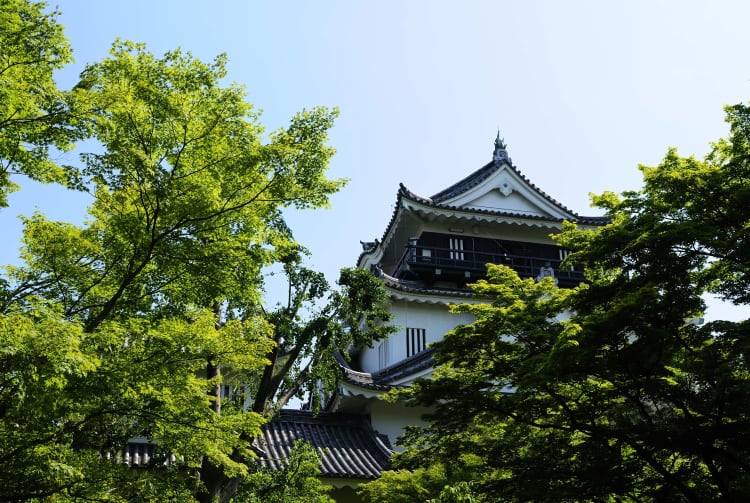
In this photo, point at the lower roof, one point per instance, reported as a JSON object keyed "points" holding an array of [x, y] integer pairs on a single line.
{"points": [[389, 377], [348, 445]]}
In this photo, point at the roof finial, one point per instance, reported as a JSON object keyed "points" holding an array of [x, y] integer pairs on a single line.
{"points": [[499, 142], [500, 154]]}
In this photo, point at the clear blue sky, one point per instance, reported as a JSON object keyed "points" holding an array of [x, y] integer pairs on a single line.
{"points": [[582, 91]]}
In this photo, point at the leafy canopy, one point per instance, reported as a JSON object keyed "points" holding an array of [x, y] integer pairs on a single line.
{"points": [[137, 323], [34, 114], [611, 391], [188, 199]]}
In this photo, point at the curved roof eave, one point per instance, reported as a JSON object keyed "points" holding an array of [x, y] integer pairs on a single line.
{"points": [[404, 290], [468, 183]]}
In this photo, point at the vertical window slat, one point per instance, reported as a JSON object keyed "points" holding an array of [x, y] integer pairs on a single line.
{"points": [[416, 341]]}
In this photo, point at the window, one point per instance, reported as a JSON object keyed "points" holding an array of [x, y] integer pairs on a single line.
{"points": [[383, 354], [416, 341], [456, 247], [563, 255], [412, 249]]}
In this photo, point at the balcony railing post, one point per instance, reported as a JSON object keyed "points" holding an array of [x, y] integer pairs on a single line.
{"points": [[427, 259]]}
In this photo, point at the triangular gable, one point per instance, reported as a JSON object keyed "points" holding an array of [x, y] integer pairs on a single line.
{"points": [[500, 187]]}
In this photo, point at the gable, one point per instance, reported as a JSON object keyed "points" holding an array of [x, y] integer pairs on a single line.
{"points": [[496, 200], [505, 189]]}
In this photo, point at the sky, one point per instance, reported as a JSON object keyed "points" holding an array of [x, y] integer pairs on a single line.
{"points": [[581, 91]]}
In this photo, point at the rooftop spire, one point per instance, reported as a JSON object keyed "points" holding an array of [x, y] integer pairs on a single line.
{"points": [[500, 154], [499, 142]]}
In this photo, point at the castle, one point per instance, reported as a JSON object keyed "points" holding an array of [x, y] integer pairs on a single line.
{"points": [[432, 248]]}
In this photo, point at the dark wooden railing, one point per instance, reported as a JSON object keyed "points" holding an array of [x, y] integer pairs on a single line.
{"points": [[419, 260]]}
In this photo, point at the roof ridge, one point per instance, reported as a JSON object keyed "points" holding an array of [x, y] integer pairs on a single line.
{"points": [[472, 180]]}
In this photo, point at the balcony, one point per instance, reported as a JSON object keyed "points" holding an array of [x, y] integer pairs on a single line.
{"points": [[430, 264]]}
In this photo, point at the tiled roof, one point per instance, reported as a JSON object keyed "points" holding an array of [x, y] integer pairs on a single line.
{"points": [[418, 287], [470, 181], [405, 368], [383, 379], [140, 452], [349, 447], [362, 379]]}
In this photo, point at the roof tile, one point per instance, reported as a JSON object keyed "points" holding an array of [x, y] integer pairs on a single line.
{"points": [[349, 447]]}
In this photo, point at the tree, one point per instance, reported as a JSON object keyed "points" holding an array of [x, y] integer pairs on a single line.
{"points": [[298, 482], [34, 114], [162, 289], [611, 390], [422, 484], [308, 336], [308, 331], [70, 400], [188, 200]]}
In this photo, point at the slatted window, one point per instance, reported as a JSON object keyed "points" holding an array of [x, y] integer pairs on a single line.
{"points": [[456, 248], [383, 356], [416, 341]]}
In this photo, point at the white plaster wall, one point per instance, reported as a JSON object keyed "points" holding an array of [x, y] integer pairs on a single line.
{"points": [[391, 419], [434, 318], [496, 201]]}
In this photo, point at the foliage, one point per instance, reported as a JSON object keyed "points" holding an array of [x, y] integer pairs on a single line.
{"points": [[460, 493], [34, 367], [404, 486], [298, 482], [34, 114], [70, 399], [188, 200], [313, 326], [430, 484], [136, 323], [610, 391]]}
